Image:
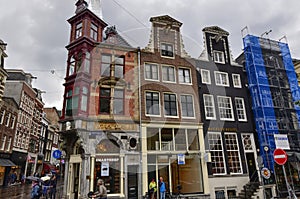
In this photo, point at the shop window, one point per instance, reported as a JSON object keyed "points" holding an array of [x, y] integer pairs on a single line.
{"points": [[193, 139], [109, 172], [233, 153], [180, 139], [152, 138], [166, 139]]}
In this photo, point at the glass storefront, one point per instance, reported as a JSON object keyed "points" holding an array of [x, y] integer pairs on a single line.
{"points": [[108, 169]]}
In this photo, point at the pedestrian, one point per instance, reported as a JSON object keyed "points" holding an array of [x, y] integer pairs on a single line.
{"points": [[152, 189], [13, 177], [162, 188], [53, 182], [22, 178], [35, 190], [102, 192]]}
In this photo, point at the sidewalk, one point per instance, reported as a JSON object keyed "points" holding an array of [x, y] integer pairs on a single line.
{"points": [[23, 191]]}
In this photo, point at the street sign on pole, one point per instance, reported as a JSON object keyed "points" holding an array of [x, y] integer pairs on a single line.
{"points": [[56, 154], [280, 156]]}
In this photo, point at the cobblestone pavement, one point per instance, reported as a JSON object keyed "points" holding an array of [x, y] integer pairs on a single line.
{"points": [[22, 191]]}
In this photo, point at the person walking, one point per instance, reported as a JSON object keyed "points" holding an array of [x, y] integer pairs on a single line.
{"points": [[152, 189], [53, 183], [162, 188], [102, 192], [35, 190]]}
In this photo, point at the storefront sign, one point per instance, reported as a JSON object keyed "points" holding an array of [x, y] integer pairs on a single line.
{"points": [[181, 159], [281, 141], [104, 169], [107, 159]]}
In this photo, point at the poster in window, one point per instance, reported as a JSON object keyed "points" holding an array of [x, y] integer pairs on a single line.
{"points": [[104, 169]]}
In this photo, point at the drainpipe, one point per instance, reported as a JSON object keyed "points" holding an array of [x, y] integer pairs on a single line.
{"points": [[140, 122]]}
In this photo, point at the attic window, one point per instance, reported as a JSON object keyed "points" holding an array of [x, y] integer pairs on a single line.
{"points": [[218, 57], [167, 50]]}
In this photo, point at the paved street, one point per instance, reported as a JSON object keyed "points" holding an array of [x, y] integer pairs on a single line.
{"points": [[19, 191]]}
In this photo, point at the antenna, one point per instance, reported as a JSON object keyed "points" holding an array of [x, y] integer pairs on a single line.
{"points": [[266, 33]]}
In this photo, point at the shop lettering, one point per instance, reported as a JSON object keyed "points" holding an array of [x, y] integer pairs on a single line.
{"points": [[222, 129], [107, 159]]}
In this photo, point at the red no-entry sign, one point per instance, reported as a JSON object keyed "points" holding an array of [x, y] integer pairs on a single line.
{"points": [[280, 156]]}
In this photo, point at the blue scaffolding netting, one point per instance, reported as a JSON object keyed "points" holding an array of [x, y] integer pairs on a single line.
{"points": [[262, 104]]}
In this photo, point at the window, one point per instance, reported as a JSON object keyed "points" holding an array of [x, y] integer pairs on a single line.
{"points": [[94, 32], [225, 108], [69, 102], [236, 81], [78, 31], [180, 139], [221, 78], [118, 102], [184, 75], [168, 73], [193, 139], [233, 153], [187, 106], [105, 100], [8, 144], [3, 142], [112, 66], [216, 151], [240, 109], [152, 103], [218, 57], [84, 98], [87, 62], [205, 76], [170, 104], [111, 101], [151, 71], [105, 65], [75, 63], [209, 106], [2, 113], [7, 119], [167, 50], [13, 121]]}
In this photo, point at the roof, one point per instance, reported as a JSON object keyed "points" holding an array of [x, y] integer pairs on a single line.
{"points": [[215, 29], [165, 19], [117, 40]]}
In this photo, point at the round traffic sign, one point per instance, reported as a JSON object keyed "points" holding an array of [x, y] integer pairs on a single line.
{"points": [[56, 154], [280, 156], [265, 172]]}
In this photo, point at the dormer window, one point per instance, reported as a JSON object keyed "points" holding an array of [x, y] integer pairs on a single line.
{"points": [[94, 32], [78, 31], [218, 57], [167, 50]]}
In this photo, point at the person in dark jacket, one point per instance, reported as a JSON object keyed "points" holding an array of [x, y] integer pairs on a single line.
{"points": [[53, 182], [35, 190]]}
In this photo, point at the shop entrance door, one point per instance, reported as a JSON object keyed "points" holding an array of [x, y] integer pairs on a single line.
{"points": [[163, 171], [76, 168], [251, 167], [132, 181]]}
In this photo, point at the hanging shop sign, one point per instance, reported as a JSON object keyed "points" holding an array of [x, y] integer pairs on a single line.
{"points": [[265, 173], [281, 141], [181, 159]]}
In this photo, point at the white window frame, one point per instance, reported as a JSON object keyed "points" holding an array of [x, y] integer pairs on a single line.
{"points": [[192, 105], [190, 75], [162, 73], [223, 156], [220, 79], [145, 71], [218, 57], [222, 108], [9, 143], [205, 79], [159, 103], [240, 109], [176, 101], [167, 44], [213, 106], [3, 142], [235, 150], [236, 80]]}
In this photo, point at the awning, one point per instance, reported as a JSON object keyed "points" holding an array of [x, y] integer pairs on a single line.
{"points": [[6, 163]]}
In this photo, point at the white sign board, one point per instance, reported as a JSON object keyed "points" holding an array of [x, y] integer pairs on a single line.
{"points": [[281, 141], [104, 168], [181, 159]]}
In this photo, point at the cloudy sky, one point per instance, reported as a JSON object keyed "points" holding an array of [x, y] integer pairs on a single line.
{"points": [[36, 31]]}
